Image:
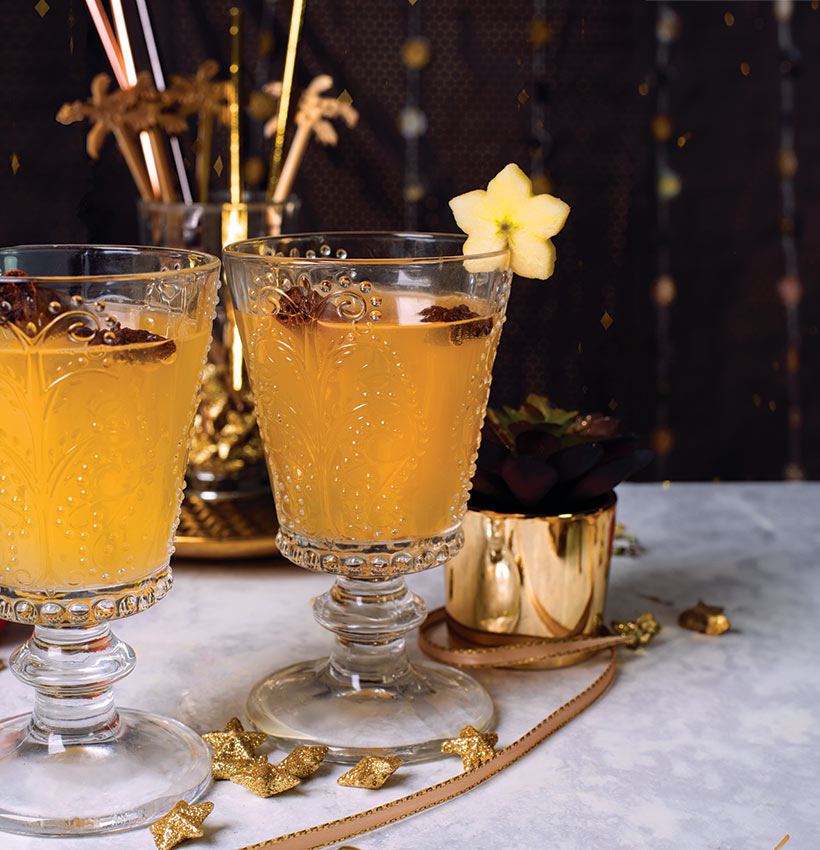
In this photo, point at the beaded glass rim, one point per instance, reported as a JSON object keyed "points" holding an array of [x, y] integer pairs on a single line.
{"points": [[198, 262], [242, 248]]}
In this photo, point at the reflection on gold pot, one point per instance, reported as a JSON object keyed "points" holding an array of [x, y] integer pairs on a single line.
{"points": [[531, 576]]}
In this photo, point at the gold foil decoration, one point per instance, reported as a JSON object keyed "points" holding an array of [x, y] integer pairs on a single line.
{"points": [[182, 822], [225, 438], [475, 748], [265, 779], [520, 576], [233, 742], [707, 619], [638, 631], [303, 761], [371, 772], [224, 768]]}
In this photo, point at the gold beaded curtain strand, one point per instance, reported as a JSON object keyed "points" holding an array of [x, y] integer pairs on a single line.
{"points": [[412, 120], [667, 188], [789, 288]]}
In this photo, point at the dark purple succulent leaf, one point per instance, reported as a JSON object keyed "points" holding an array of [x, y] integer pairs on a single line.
{"points": [[491, 455], [491, 486], [573, 462], [599, 427], [537, 443], [517, 428], [620, 446], [556, 504], [498, 428], [603, 478], [528, 479]]}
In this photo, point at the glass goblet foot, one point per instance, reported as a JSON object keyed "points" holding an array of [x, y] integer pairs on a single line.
{"points": [[367, 698], [79, 766]]}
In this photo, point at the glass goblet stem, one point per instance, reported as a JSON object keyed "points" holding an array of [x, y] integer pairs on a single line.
{"points": [[370, 618], [72, 671]]}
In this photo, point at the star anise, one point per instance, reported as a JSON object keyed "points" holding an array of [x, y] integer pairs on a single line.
{"points": [[298, 306], [436, 313], [25, 303], [30, 306], [461, 313], [116, 334]]}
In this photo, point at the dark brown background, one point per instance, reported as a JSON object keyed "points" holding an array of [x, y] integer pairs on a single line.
{"points": [[727, 403]]}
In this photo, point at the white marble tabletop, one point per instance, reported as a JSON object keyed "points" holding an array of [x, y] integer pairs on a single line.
{"points": [[702, 742]]}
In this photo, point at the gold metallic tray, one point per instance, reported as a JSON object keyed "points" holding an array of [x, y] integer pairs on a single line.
{"points": [[224, 530]]}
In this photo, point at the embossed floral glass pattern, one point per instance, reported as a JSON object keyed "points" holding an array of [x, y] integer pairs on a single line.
{"points": [[101, 352], [370, 358]]}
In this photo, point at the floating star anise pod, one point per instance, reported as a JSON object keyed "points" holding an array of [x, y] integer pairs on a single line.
{"points": [[115, 335], [461, 313], [298, 306]]}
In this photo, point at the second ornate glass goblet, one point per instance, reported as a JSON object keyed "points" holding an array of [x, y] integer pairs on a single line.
{"points": [[370, 357], [101, 354]]}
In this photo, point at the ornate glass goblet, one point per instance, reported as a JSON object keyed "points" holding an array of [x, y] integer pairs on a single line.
{"points": [[370, 357], [101, 353]]}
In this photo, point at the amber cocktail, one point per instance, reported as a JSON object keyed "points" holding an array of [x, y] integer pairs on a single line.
{"points": [[101, 353], [370, 358]]}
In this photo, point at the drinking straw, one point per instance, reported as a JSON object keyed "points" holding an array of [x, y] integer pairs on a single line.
{"points": [[156, 160], [284, 99], [125, 138], [109, 42], [159, 82]]}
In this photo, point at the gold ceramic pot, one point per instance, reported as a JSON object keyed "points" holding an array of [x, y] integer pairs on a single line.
{"points": [[524, 576]]}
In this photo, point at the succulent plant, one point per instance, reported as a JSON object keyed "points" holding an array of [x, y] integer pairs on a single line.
{"points": [[543, 460]]}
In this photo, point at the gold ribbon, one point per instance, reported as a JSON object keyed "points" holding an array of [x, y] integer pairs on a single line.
{"points": [[504, 654]]}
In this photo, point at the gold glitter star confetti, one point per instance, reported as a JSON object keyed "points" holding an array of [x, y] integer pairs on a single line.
{"points": [[371, 772], [707, 619], [233, 742], [639, 631], [303, 761], [15, 163], [474, 747], [223, 768], [265, 780], [182, 822]]}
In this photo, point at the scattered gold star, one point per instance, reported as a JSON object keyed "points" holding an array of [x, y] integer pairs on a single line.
{"points": [[233, 742], [42, 8], [15, 163], [371, 772], [183, 821], [345, 98], [638, 631], [222, 768], [265, 780], [708, 619], [523, 97], [606, 321], [303, 761], [475, 748], [218, 166]]}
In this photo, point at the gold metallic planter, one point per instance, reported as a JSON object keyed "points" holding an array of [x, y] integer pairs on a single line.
{"points": [[531, 576]]}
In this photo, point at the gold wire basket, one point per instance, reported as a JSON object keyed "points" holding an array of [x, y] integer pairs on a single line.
{"points": [[227, 529]]}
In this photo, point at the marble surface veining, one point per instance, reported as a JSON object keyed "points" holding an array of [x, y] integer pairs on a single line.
{"points": [[702, 742]]}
